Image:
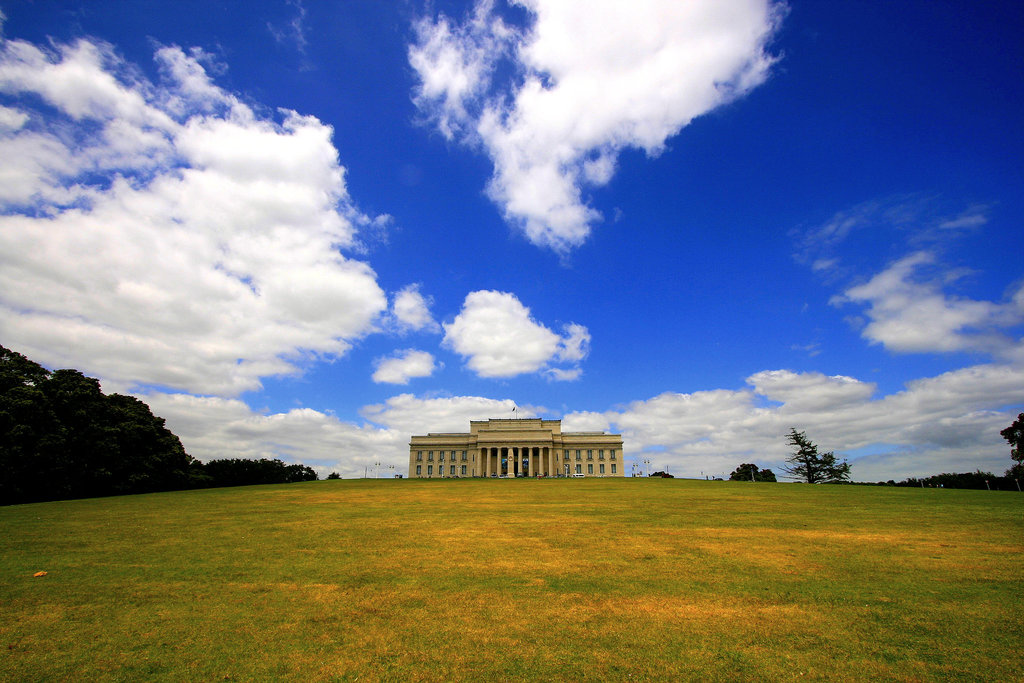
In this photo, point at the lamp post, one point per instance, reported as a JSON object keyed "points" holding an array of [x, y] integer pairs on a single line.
{"points": [[647, 466]]}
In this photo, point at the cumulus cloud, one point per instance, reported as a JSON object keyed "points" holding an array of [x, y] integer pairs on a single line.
{"points": [[411, 311], [411, 415], [211, 428], [939, 424], [908, 313], [403, 366], [500, 338], [167, 233], [591, 79], [946, 423]]}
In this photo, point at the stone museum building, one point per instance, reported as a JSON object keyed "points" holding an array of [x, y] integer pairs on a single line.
{"points": [[516, 448]]}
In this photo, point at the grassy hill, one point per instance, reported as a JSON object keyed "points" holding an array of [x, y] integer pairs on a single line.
{"points": [[624, 579]]}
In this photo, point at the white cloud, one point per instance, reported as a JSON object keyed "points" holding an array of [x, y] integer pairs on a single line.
{"points": [[564, 375], [166, 233], [940, 424], [11, 119], [212, 428], [575, 346], [810, 389], [501, 339], [911, 314], [403, 366], [411, 415], [946, 423], [596, 78], [454, 64], [411, 310]]}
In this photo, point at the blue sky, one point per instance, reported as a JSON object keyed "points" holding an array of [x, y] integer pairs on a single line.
{"points": [[310, 230]]}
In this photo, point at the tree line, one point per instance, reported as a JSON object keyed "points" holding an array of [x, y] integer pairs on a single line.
{"points": [[61, 437]]}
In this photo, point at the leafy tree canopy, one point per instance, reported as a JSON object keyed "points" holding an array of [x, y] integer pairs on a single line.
{"points": [[61, 437], [806, 464], [1014, 434], [750, 472]]}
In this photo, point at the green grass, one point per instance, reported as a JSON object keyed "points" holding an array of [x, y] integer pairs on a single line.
{"points": [[626, 579]]}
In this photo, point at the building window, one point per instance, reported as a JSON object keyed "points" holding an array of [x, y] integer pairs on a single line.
{"points": [[578, 454], [590, 469], [463, 470], [600, 454], [430, 456], [419, 470], [579, 469], [430, 470], [441, 456], [452, 470], [602, 468], [463, 456], [590, 454], [613, 469], [612, 451], [419, 456], [566, 456]]}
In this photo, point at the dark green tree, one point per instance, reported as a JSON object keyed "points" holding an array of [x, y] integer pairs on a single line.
{"points": [[245, 472], [18, 371], [1015, 435], [61, 437], [149, 457], [807, 464], [750, 472]]}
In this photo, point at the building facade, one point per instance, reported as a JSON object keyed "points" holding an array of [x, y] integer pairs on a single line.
{"points": [[516, 448]]}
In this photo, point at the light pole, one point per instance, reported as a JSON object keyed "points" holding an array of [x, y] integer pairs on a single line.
{"points": [[647, 466]]}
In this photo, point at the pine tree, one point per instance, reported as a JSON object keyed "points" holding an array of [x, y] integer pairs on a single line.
{"points": [[1015, 435], [806, 464]]}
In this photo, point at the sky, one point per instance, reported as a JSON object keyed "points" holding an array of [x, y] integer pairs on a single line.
{"points": [[308, 231]]}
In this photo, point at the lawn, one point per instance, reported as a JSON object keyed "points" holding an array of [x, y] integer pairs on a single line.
{"points": [[625, 579]]}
